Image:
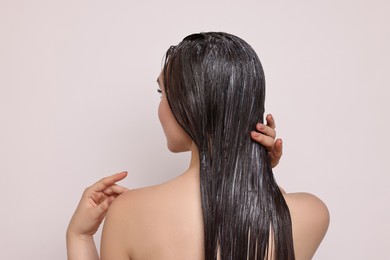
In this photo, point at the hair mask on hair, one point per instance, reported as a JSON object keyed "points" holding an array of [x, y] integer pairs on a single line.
{"points": [[215, 86]]}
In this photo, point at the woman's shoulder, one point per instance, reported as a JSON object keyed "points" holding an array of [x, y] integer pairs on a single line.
{"points": [[140, 200], [173, 199], [176, 190], [308, 207], [131, 220], [142, 218], [310, 220]]}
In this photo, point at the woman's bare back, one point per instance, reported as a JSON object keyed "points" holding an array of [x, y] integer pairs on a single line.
{"points": [[165, 222]]}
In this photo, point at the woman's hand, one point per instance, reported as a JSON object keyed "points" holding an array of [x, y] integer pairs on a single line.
{"points": [[89, 215], [94, 204], [266, 136]]}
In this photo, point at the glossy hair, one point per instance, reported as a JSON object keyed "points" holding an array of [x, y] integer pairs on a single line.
{"points": [[215, 86]]}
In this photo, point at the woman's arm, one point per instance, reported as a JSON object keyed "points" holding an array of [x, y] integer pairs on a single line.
{"points": [[89, 215]]}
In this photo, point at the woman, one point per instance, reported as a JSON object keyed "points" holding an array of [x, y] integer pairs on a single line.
{"points": [[227, 204]]}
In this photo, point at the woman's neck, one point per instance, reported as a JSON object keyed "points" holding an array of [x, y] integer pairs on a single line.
{"points": [[194, 166]]}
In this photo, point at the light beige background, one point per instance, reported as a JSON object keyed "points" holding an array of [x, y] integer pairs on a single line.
{"points": [[78, 101]]}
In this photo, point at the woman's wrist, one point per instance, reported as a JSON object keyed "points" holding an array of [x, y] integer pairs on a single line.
{"points": [[80, 246], [77, 236]]}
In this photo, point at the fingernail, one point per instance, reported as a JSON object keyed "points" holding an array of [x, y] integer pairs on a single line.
{"points": [[260, 126], [255, 134]]}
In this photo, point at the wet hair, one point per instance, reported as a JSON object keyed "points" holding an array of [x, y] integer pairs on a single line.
{"points": [[215, 86]]}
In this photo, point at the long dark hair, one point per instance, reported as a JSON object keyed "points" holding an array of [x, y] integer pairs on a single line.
{"points": [[215, 86]]}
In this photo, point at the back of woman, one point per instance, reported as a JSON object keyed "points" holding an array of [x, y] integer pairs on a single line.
{"points": [[165, 222], [227, 205]]}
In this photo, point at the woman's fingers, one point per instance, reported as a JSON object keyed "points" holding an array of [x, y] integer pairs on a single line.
{"points": [[276, 153], [265, 140], [105, 188], [270, 121], [102, 208], [115, 190], [278, 147], [97, 197], [108, 181], [265, 129], [265, 134]]}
